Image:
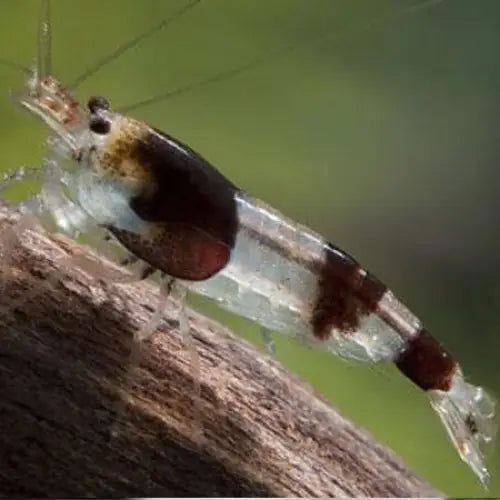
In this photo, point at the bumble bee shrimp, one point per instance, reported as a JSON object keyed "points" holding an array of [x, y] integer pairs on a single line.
{"points": [[176, 213]]}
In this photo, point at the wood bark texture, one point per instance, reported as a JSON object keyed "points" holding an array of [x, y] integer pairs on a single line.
{"points": [[76, 419]]}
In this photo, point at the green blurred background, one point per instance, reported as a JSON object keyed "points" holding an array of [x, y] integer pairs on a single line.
{"points": [[383, 136]]}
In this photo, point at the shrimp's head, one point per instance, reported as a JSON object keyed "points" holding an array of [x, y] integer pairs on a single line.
{"points": [[49, 100]]}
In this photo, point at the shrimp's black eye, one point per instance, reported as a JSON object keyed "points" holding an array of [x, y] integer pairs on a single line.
{"points": [[99, 125], [96, 103]]}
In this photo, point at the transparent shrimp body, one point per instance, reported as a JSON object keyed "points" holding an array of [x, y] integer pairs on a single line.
{"points": [[273, 278]]}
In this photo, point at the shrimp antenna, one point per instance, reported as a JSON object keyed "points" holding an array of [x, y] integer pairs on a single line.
{"points": [[15, 66], [44, 60], [280, 52], [44, 45], [130, 44]]}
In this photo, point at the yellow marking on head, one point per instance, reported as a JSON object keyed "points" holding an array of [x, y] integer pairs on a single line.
{"points": [[118, 156]]}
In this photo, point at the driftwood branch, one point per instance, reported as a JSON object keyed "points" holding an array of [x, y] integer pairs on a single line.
{"points": [[64, 368]]}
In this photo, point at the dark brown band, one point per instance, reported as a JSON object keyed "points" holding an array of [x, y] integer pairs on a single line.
{"points": [[426, 363], [346, 293]]}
